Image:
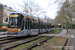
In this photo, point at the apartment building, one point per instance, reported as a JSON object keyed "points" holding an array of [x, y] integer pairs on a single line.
{"points": [[4, 13]]}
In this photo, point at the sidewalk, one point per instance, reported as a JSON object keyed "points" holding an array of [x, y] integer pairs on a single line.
{"points": [[63, 33], [72, 43], [3, 34]]}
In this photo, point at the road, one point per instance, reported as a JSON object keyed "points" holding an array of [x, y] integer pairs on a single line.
{"points": [[72, 44]]}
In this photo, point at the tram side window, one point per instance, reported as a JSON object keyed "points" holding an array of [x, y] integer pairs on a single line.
{"points": [[20, 20], [26, 23], [40, 25], [30, 23], [34, 24], [48, 26], [23, 25], [43, 25]]}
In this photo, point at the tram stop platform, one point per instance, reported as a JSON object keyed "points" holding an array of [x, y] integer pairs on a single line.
{"points": [[62, 33], [3, 34]]}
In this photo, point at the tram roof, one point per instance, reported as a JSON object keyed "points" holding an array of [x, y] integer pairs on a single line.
{"points": [[25, 14]]}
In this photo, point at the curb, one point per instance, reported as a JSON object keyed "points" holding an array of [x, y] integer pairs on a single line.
{"points": [[67, 43]]}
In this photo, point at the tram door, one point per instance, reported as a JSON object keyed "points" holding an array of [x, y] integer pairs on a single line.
{"points": [[27, 26], [31, 27]]}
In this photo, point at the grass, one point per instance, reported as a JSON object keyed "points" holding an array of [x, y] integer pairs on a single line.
{"points": [[20, 41], [24, 46], [52, 31], [56, 32], [56, 41], [1, 26], [3, 29]]}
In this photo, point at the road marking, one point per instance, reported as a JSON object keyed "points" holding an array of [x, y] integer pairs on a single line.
{"points": [[72, 36]]}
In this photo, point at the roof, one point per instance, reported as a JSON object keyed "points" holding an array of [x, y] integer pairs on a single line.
{"points": [[26, 14], [5, 6]]}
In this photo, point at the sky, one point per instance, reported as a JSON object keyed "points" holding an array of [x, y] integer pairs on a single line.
{"points": [[48, 6]]}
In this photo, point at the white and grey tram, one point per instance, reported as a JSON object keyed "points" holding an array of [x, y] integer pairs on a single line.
{"points": [[52, 27], [21, 24]]}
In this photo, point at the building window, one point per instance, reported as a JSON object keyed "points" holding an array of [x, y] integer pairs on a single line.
{"points": [[6, 19]]}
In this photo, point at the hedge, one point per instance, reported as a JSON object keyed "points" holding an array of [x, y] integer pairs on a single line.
{"points": [[3, 25], [3, 29]]}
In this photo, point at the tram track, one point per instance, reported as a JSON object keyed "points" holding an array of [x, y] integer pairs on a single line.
{"points": [[12, 40], [25, 41], [3, 37], [31, 40], [6, 38], [7, 48], [38, 44]]}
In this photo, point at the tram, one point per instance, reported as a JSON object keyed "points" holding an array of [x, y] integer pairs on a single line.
{"points": [[52, 27], [21, 24], [59, 26]]}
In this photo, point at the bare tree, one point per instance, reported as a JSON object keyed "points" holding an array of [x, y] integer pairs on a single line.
{"points": [[66, 13], [27, 7]]}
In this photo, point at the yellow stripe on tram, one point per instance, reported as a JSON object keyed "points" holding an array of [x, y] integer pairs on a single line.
{"points": [[14, 15]]}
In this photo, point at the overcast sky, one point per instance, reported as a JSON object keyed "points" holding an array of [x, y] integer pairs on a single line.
{"points": [[49, 6]]}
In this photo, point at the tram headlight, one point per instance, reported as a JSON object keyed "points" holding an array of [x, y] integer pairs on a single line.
{"points": [[18, 29]]}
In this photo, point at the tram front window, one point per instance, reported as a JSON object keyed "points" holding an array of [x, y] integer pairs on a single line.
{"points": [[13, 22], [59, 26]]}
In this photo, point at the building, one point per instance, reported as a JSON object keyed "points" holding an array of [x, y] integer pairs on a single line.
{"points": [[4, 13], [1, 13]]}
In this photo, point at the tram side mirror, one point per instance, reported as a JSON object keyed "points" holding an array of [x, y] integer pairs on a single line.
{"points": [[6, 20]]}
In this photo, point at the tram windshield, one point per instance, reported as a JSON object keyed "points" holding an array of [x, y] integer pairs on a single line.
{"points": [[13, 22], [59, 26]]}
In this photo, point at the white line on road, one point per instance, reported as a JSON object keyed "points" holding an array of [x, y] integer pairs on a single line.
{"points": [[72, 36]]}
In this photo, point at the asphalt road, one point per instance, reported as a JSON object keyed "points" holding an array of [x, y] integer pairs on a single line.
{"points": [[72, 44]]}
